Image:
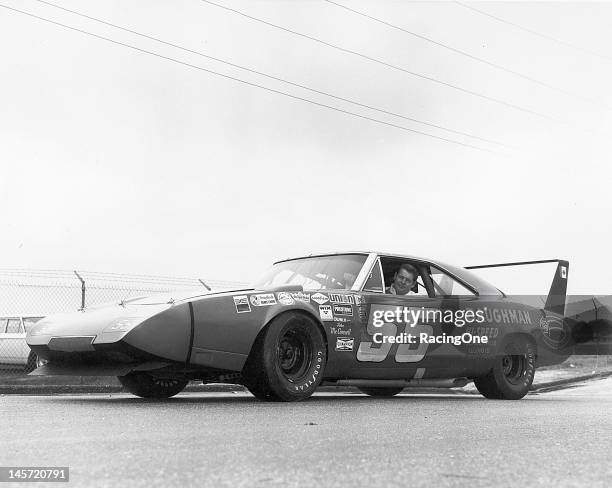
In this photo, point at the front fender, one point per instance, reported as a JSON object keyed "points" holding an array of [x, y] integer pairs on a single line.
{"points": [[225, 328]]}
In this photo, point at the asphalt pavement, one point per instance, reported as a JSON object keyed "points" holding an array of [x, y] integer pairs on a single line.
{"points": [[561, 438]]}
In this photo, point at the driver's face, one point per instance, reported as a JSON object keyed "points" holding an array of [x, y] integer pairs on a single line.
{"points": [[403, 281]]}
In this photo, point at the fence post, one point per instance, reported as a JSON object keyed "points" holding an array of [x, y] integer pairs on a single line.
{"points": [[82, 289]]}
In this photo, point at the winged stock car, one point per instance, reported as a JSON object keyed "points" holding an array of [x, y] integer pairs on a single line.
{"points": [[324, 319]]}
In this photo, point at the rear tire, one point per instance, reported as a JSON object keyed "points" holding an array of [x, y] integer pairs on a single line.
{"points": [[287, 360], [146, 385], [380, 391], [512, 373]]}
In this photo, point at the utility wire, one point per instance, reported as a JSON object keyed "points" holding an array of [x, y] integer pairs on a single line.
{"points": [[389, 65], [272, 90], [535, 33], [250, 70], [471, 56]]}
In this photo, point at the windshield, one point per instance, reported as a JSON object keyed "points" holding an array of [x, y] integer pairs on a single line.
{"points": [[315, 273]]}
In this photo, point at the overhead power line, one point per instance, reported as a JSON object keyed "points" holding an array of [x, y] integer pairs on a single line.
{"points": [[471, 56], [388, 65], [535, 33], [250, 70], [239, 80]]}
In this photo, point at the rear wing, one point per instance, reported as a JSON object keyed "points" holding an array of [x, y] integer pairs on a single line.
{"points": [[555, 301]]}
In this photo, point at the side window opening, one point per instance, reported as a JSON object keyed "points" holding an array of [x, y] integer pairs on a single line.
{"points": [[13, 326], [392, 268], [445, 285]]}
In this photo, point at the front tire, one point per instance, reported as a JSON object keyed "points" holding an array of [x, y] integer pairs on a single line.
{"points": [[380, 391], [512, 373], [33, 362], [146, 385], [287, 360]]}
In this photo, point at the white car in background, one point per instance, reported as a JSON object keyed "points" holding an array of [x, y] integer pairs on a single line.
{"points": [[15, 353]]}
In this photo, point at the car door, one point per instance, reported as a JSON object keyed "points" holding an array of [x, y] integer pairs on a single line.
{"points": [[3, 342], [459, 353], [417, 335], [21, 346], [14, 339], [387, 345]]}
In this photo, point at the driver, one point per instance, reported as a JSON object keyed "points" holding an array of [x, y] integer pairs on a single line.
{"points": [[404, 280]]}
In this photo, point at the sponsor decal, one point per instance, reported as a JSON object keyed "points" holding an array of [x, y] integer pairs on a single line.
{"points": [[326, 312], [478, 350], [338, 331], [241, 302], [555, 332], [564, 272], [344, 343], [363, 315], [301, 297], [491, 333], [319, 298], [263, 299], [358, 300], [481, 330], [341, 309], [339, 298], [285, 298], [341, 319], [507, 316]]}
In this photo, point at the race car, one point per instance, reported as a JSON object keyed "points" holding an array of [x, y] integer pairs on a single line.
{"points": [[332, 319]]}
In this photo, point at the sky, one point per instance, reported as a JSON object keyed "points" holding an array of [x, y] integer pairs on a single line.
{"points": [[115, 159]]}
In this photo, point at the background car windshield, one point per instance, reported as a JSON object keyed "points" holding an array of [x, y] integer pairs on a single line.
{"points": [[28, 322], [316, 273]]}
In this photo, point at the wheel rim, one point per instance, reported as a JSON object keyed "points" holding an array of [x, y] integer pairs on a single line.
{"points": [[514, 367], [294, 354]]}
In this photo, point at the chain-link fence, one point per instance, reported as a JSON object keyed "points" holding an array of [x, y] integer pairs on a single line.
{"points": [[28, 295]]}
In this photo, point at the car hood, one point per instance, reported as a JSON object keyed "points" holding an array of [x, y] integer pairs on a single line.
{"points": [[89, 322], [177, 296]]}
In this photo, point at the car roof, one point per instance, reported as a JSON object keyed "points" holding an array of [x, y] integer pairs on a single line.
{"points": [[481, 286], [22, 316], [340, 253]]}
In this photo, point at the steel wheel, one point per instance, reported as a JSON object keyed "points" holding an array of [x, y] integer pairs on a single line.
{"points": [[514, 368], [295, 354]]}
